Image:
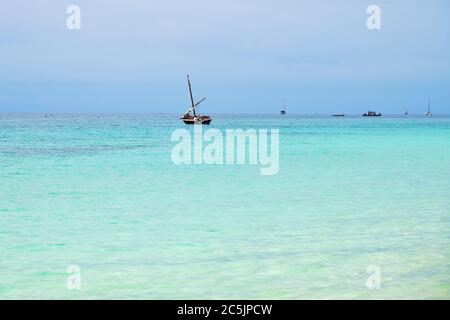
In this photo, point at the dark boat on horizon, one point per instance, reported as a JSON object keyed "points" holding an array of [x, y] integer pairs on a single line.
{"points": [[283, 111], [189, 118], [371, 114]]}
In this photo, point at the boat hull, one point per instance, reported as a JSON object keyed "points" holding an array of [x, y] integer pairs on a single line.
{"points": [[197, 120], [371, 114]]}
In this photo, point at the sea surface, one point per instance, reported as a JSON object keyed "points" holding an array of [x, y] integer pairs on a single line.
{"points": [[100, 192]]}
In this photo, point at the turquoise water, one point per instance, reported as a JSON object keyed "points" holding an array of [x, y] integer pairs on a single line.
{"points": [[101, 192]]}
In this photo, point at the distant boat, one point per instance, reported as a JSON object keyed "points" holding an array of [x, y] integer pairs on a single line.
{"points": [[283, 111], [339, 115], [428, 113], [189, 118], [371, 114], [406, 113]]}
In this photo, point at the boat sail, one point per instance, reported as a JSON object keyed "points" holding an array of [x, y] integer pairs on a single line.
{"points": [[193, 118]]}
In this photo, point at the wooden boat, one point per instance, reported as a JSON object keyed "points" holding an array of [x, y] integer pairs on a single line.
{"points": [[371, 114], [193, 118], [196, 119], [339, 115]]}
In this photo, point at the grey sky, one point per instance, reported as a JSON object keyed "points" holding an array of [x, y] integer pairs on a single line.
{"points": [[244, 56]]}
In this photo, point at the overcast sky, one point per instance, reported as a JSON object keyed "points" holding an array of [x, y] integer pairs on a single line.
{"points": [[244, 56]]}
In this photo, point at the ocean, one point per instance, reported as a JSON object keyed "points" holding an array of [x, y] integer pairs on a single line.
{"points": [[359, 209]]}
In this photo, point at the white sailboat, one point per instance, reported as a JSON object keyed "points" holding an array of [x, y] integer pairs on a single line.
{"points": [[428, 113]]}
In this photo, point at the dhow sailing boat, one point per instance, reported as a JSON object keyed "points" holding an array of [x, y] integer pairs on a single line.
{"points": [[193, 118]]}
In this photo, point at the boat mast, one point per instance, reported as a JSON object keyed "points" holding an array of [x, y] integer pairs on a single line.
{"points": [[190, 93], [429, 109]]}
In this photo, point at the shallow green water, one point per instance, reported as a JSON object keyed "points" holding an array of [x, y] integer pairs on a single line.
{"points": [[101, 192]]}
